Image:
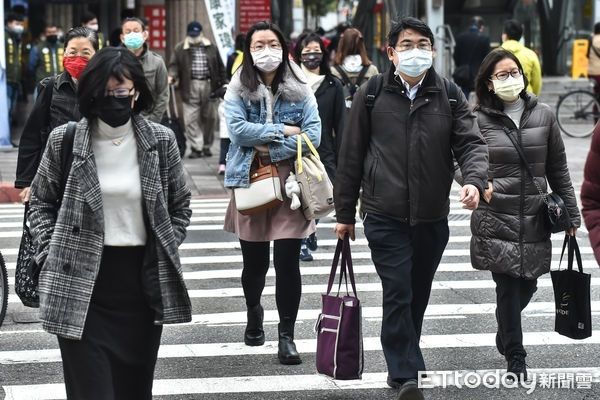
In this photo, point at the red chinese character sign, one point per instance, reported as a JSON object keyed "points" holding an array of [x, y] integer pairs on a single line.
{"points": [[157, 30], [251, 12]]}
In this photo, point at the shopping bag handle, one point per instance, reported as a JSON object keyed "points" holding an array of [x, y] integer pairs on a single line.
{"points": [[346, 269], [573, 250]]}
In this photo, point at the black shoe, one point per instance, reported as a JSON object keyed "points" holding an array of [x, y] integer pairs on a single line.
{"points": [[393, 383], [305, 253], [254, 334], [410, 391], [516, 365], [287, 353], [195, 154], [311, 242], [206, 152]]}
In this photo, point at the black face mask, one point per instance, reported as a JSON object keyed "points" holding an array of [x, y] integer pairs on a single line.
{"points": [[52, 39], [115, 111], [312, 60]]}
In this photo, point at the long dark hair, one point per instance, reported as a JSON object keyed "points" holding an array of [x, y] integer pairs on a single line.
{"points": [[116, 62], [351, 42], [484, 96], [303, 41], [249, 74]]}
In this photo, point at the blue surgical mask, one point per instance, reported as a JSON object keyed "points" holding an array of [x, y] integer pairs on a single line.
{"points": [[414, 62], [133, 40]]}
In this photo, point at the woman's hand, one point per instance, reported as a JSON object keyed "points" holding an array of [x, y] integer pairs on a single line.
{"points": [[289, 130], [571, 231], [487, 195], [25, 195], [262, 148]]}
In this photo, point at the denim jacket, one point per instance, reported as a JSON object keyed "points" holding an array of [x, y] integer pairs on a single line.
{"points": [[257, 118]]}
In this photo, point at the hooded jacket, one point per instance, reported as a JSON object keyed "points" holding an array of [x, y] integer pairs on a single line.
{"points": [[530, 62], [509, 234]]}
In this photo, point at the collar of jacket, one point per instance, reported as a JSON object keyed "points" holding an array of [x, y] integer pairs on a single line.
{"points": [[203, 42], [82, 144], [512, 45], [530, 101], [290, 88], [142, 57], [64, 79], [328, 82], [431, 83]]}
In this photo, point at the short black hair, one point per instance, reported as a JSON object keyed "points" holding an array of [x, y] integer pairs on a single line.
{"points": [[249, 73], [134, 19], [484, 96], [116, 62], [87, 17], [477, 22], [306, 38], [408, 23], [513, 29], [596, 28], [10, 17], [239, 41], [82, 32]]}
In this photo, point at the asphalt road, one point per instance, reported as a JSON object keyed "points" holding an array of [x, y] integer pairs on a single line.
{"points": [[206, 359]]}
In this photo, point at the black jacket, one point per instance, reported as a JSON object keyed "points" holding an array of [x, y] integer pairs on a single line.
{"points": [[471, 48], [509, 235], [54, 106], [401, 153], [332, 110]]}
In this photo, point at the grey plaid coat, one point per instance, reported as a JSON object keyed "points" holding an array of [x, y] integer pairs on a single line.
{"points": [[70, 240]]}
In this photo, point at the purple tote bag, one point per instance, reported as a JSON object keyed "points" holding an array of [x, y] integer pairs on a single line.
{"points": [[339, 326]]}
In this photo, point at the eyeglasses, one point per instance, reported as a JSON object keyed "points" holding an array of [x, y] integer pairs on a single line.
{"points": [[503, 75], [120, 93], [407, 46], [261, 46]]}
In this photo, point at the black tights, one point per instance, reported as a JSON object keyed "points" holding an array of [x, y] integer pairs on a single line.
{"points": [[288, 285]]}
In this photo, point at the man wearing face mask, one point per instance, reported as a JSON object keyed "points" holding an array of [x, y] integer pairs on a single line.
{"points": [[399, 142], [133, 37], [90, 21], [196, 67], [511, 36], [14, 58], [46, 59]]}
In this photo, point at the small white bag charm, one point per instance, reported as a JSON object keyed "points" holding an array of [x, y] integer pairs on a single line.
{"points": [[292, 190]]}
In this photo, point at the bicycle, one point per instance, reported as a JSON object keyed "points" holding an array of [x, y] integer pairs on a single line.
{"points": [[577, 113], [3, 289]]}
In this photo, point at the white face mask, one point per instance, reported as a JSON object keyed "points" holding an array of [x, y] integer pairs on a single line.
{"points": [[352, 63], [267, 59], [18, 29], [414, 62], [93, 27], [508, 90]]}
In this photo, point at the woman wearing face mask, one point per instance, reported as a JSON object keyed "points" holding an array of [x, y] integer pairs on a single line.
{"points": [[509, 236], [313, 58], [110, 271], [352, 65], [55, 105], [267, 105]]}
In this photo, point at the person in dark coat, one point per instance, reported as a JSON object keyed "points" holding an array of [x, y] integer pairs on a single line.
{"points": [[510, 237], [55, 105], [590, 193], [312, 55], [471, 48]]}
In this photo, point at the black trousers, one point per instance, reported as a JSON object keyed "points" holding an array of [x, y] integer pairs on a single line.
{"points": [[116, 356], [288, 284], [512, 296], [406, 258], [224, 148]]}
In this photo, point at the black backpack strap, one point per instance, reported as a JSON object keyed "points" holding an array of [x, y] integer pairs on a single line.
{"points": [[67, 153], [345, 78], [361, 75], [452, 92], [373, 88]]}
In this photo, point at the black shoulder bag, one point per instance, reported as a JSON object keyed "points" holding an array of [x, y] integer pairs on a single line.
{"points": [[27, 271], [556, 214]]}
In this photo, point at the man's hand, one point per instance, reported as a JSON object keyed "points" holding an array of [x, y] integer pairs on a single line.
{"points": [[469, 196], [342, 229], [25, 195], [487, 195], [170, 80]]}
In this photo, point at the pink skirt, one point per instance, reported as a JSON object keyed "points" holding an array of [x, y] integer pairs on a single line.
{"points": [[280, 222]]}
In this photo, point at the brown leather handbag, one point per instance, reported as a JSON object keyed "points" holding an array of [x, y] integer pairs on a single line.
{"points": [[264, 191]]}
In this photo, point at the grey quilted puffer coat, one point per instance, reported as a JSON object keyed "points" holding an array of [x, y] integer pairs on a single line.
{"points": [[508, 233]]}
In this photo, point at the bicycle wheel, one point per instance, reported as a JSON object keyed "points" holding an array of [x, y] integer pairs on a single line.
{"points": [[577, 113], [3, 289]]}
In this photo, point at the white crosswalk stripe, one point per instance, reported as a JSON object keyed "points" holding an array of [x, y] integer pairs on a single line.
{"points": [[460, 323]]}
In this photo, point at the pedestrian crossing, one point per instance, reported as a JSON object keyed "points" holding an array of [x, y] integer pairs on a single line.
{"points": [[206, 358]]}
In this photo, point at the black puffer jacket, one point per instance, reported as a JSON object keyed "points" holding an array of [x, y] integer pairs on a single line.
{"points": [[508, 233]]}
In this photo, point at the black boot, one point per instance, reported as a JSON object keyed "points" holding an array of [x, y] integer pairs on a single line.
{"points": [[287, 353], [517, 365], [254, 334]]}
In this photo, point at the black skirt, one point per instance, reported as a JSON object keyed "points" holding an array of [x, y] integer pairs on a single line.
{"points": [[116, 355]]}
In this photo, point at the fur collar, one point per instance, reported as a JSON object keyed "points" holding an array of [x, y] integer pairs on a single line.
{"points": [[289, 90]]}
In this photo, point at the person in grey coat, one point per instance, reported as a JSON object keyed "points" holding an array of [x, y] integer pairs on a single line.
{"points": [[510, 237], [107, 245]]}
